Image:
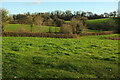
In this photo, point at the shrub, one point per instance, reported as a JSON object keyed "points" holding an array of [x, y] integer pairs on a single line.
{"points": [[42, 30], [58, 22], [49, 22], [21, 29], [66, 29], [77, 26]]}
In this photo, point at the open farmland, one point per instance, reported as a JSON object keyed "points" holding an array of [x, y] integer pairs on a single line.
{"points": [[87, 57], [27, 28], [59, 40], [41, 29], [103, 24]]}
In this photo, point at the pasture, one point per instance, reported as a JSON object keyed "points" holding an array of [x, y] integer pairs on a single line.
{"points": [[87, 57], [105, 24], [39, 43], [41, 29], [27, 28]]}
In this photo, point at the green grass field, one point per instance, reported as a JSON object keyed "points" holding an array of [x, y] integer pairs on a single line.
{"points": [[18, 27], [87, 57], [103, 24], [27, 28], [98, 21]]}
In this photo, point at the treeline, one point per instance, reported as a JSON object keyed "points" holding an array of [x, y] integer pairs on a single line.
{"points": [[63, 15]]}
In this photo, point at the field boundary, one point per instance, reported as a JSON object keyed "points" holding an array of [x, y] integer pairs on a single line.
{"points": [[97, 33], [52, 35], [29, 34]]}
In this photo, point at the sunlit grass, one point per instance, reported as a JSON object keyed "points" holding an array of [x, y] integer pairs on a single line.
{"points": [[87, 57]]}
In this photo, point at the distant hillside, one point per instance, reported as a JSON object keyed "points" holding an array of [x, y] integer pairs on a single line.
{"points": [[104, 24]]}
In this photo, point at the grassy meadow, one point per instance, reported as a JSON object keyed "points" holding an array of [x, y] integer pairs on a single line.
{"points": [[27, 28], [58, 40], [103, 24], [41, 29], [87, 57]]}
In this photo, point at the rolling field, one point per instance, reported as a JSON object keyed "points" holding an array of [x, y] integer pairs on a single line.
{"points": [[87, 57], [103, 24]]}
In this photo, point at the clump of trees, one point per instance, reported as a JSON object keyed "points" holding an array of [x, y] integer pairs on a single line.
{"points": [[66, 29], [77, 26]]}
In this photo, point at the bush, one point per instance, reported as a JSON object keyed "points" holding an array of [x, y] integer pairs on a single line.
{"points": [[78, 26], [49, 22], [42, 30], [58, 22], [66, 29], [22, 29]]}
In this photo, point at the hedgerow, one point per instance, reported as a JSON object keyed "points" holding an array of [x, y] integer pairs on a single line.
{"points": [[29, 34]]}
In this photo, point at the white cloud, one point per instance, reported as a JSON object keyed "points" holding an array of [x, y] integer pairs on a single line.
{"points": [[35, 2]]}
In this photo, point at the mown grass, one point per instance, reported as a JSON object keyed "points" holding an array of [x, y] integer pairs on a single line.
{"points": [[87, 57]]}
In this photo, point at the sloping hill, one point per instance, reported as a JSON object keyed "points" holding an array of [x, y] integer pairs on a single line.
{"points": [[103, 24]]}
